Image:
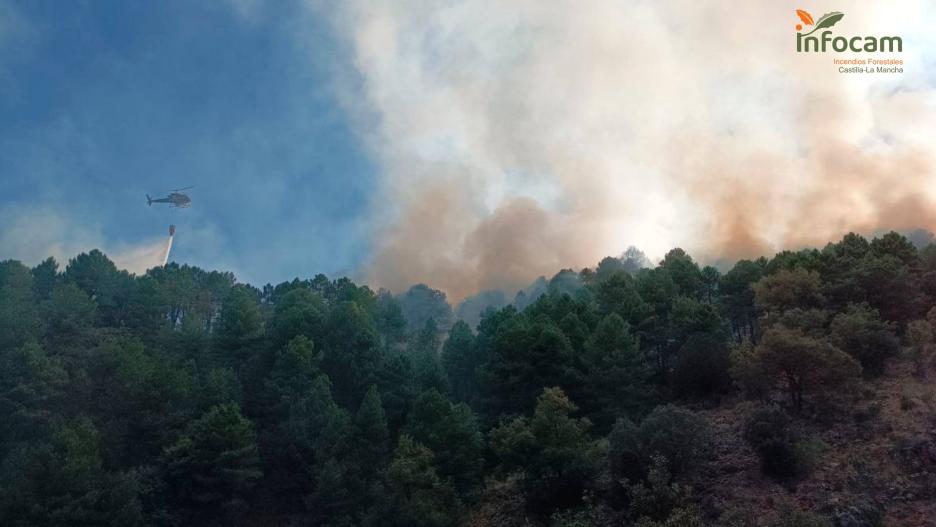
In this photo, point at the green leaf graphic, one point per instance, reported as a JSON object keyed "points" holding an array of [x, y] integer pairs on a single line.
{"points": [[829, 19], [826, 21]]}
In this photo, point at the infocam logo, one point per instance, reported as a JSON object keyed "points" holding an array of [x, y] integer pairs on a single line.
{"points": [[806, 42]]}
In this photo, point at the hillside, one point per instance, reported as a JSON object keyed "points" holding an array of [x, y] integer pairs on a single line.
{"points": [[794, 391], [882, 459]]}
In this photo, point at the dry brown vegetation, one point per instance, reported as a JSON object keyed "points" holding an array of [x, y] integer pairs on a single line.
{"points": [[883, 454]]}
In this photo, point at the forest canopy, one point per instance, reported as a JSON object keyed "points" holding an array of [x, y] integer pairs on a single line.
{"points": [[182, 397]]}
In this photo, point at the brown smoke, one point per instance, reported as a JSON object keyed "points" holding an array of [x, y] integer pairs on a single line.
{"points": [[517, 138]]}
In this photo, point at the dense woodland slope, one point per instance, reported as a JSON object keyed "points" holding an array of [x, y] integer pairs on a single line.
{"points": [[787, 392]]}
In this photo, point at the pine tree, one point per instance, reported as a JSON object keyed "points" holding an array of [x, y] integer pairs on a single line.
{"points": [[211, 468], [417, 496]]}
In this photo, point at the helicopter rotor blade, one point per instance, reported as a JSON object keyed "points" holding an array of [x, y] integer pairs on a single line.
{"points": [[181, 189]]}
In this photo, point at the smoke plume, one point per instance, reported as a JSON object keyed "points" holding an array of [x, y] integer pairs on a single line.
{"points": [[518, 137], [33, 234]]}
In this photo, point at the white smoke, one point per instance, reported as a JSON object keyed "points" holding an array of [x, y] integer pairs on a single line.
{"points": [[138, 258], [33, 234], [518, 137]]}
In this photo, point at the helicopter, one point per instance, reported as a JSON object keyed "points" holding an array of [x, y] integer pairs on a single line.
{"points": [[176, 198]]}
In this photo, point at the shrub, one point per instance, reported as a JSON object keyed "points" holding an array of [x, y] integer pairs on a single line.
{"points": [[860, 332], [657, 497], [767, 431], [583, 517], [678, 435], [787, 516], [790, 516], [502, 504], [738, 517], [782, 454], [920, 339], [684, 517], [808, 453]]}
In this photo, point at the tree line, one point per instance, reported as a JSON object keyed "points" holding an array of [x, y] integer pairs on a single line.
{"points": [[181, 397]]}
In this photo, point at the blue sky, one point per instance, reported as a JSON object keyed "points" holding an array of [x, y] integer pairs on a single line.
{"points": [[104, 101], [467, 144]]}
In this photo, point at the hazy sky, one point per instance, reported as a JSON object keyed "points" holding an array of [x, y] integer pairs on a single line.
{"points": [[467, 144], [104, 101]]}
